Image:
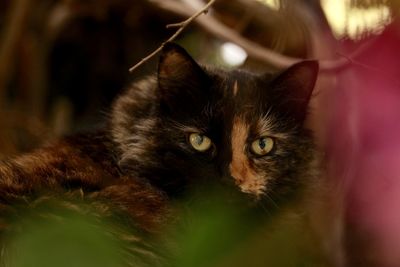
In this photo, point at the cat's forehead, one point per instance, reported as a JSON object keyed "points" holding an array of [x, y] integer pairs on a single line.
{"points": [[244, 92], [236, 80]]}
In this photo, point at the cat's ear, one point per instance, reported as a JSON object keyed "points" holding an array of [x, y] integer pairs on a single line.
{"points": [[181, 81], [295, 85]]}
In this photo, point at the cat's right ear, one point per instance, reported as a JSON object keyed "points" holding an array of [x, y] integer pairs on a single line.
{"points": [[181, 81], [294, 87]]}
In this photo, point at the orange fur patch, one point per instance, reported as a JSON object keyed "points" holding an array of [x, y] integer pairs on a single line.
{"points": [[245, 176], [235, 88]]}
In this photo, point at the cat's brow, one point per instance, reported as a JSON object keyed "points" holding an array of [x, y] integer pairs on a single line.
{"points": [[188, 129], [266, 125]]}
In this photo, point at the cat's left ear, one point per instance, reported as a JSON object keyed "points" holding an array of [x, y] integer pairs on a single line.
{"points": [[295, 85], [182, 82]]}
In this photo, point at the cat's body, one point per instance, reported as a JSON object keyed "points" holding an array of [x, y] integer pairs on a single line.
{"points": [[186, 128], [84, 165]]}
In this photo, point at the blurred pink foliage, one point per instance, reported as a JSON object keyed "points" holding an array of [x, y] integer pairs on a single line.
{"points": [[363, 146]]}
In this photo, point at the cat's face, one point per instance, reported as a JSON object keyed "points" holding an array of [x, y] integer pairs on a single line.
{"points": [[233, 128]]}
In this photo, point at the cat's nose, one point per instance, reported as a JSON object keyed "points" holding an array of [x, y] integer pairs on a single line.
{"points": [[226, 177], [232, 193]]}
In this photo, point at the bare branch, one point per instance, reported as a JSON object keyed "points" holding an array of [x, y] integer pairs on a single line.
{"points": [[216, 28], [182, 26]]}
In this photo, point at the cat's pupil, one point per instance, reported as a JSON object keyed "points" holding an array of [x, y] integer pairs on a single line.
{"points": [[262, 143], [199, 139]]}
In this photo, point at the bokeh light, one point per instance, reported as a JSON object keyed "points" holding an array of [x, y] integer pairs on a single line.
{"points": [[353, 22]]}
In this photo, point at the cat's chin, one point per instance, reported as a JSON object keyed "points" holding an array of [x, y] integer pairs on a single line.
{"points": [[229, 197]]}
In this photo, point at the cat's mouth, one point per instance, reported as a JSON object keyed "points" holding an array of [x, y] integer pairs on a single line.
{"points": [[254, 187], [247, 180]]}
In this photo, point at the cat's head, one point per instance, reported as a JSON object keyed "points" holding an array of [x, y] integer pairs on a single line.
{"points": [[230, 127]]}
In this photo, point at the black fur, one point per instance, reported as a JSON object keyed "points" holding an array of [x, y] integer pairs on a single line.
{"points": [[185, 96]]}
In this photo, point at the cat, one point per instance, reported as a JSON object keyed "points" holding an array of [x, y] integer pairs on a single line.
{"points": [[187, 127]]}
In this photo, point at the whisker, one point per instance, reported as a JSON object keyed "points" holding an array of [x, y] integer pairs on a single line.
{"points": [[261, 204], [271, 200]]}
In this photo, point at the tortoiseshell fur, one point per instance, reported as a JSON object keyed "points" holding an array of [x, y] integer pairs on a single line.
{"points": [[142, 160]]}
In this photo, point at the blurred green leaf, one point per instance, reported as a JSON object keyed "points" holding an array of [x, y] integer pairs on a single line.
{"points": [[70, 241]]}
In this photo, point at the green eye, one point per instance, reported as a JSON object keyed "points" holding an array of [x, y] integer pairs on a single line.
{"points": [[262, 146], [200, 142]]}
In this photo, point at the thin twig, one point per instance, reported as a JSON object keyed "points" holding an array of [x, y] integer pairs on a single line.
{"points": [[175, 25], [370, 68], [182, 26]]}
